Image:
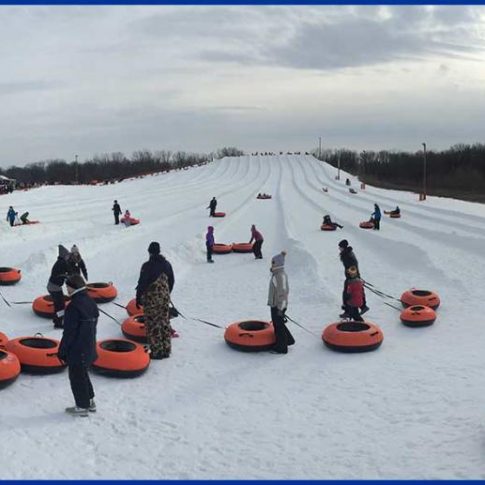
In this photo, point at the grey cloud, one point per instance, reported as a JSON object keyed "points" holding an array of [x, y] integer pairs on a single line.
{"points": [[19, 87]]}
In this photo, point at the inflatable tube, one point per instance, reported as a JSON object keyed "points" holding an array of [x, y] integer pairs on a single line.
{"points": [[3, 340], [352, 336], [262, 197], [132, 309], [133, 328], [219, 214], [43, 306], [37, 355], [366, 225], [9, 368], [222, 248], [394, 216], [242, 247], [120, 358], [28, 223], [9, 276], [418, 316], [420, 297], [328, 227], [250, 335], [102, 292], [131, 220]]}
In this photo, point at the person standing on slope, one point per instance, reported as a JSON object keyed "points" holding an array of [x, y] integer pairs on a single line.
{"points": [[11, 216], [76, 263], [354, 295], [376, 217], [59, 273], [348, 259], [116, 211], [209, 243], [153, 293], [78, 344], [212, 206], [258, 239], [278, 301]]}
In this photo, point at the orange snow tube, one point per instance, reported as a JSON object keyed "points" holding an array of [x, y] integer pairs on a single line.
{"points": [[328, 227], [9, 276], [9, 368], [366, 225], [121, 358], [131, 220], [418, 316], [133, 328], [222, 248], [3, 340], [352, 336], [219, 214], [37, 355], [250, 335], [43, 306], [132, 309], [102, 292], [242, 247], [420, 297]]}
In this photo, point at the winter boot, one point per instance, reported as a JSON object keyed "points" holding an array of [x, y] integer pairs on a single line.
{"points": [[364, 309], [76, 411], [92, 406], [58, 322], [344, 315]]}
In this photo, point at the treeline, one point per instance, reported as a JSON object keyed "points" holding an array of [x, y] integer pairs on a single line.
{"points": [[460, 168], [110, 167]]}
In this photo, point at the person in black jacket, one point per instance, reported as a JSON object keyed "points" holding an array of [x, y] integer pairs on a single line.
{"points": [[117, 211], [76, 263], [78, 344], [348, 259], [212, 206], [153, 293], [60, 271]]}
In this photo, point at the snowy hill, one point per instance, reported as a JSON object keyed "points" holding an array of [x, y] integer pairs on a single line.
{"points": [[411, 409]]}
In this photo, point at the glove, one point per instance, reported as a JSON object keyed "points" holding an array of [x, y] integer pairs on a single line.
{"points": [[62, 358], [138, 304], [280, 313]]}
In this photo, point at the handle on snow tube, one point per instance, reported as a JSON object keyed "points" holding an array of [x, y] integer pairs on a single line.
{"points": [[374, 334], [246, 335]]}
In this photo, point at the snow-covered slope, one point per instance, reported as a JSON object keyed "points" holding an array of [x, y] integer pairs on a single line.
{"points": [[411, 409]]}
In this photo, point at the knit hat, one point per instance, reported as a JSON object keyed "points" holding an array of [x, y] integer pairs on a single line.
{"points": [[74, 249], [63, 252], [154, 248], [343, 243], [278, 260], [75, 281], [210, 228]]}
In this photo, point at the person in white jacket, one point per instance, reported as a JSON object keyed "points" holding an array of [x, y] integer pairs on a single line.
{"points": [[278, 301]]}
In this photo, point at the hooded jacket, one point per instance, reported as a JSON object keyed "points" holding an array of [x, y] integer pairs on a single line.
{"points": [[278, 289], [150, 271]]}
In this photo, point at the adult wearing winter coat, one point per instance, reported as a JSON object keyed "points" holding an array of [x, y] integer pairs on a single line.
{"points": [[153, 292], [376, 217], [116, 211], [78, 344], [209, 243], [11, 216], [212, 206], [76, 263], [258, 239], [278, 301], [60, 271]]}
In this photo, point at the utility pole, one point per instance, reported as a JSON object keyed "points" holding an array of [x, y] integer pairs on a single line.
{"points": [[338, 165], [319, 147], [424, 171], [77, 170]]}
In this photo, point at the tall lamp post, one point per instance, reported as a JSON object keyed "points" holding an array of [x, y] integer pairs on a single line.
{"points": [[424, 171], [338, 165], [319, 147], [77, 170]]}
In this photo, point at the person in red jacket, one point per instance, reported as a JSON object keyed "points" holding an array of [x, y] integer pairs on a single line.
{"points": [[354, 295], [257, 237]]}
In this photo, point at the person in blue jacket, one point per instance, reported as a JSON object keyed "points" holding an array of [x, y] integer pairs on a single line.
{"points": [[376, 217], [11, 215], [78, 345]]}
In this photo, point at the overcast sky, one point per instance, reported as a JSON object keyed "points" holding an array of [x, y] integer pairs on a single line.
{"points": [[94, 79]]}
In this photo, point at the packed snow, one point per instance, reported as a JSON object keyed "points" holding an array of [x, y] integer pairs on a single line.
{"points": [[413, 408]]}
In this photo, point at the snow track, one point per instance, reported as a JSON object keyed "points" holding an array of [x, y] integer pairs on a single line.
{"points": [[409, 410]]}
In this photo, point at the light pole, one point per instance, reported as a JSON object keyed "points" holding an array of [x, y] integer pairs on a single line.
{"points": [[338, 165], [424, 171], [77, 170], [319, 147]]}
